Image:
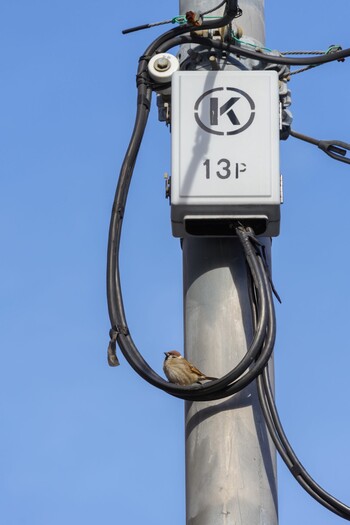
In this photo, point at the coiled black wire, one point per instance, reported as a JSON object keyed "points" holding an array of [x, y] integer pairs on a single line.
{"points": [[254, 363]]}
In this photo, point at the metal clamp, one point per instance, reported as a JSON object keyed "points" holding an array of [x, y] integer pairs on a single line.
{"points": [[334, 148]]}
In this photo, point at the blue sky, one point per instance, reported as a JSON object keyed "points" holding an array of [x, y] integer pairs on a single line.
{"points": [[85, 443]]}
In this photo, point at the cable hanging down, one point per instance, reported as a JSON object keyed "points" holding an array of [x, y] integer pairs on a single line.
{"points": [[254, 365]]}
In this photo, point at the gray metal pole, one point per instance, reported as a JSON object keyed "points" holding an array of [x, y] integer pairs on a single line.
{"points": [[230, 460]]}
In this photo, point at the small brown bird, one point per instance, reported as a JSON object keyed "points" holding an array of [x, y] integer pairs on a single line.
{"points": [[178, 370]]}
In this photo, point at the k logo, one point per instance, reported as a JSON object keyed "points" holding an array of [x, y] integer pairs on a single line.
{"points": [[224, 111]]}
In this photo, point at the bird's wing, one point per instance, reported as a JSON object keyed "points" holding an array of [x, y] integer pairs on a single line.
{"points": [[196, 371]]}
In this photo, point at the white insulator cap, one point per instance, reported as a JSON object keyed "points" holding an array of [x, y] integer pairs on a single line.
{"points": [[162, 66]]}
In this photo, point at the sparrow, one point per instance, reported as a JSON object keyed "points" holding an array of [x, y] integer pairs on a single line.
{"points": [[180, 371]]}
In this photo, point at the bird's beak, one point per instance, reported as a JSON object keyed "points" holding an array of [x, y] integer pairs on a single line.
{"points": [[166, 353]]}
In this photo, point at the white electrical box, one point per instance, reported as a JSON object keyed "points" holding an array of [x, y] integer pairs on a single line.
{"points": [[225, 152]]}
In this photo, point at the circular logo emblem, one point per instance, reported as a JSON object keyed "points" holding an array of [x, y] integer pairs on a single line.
{"points": [[224, 111]]}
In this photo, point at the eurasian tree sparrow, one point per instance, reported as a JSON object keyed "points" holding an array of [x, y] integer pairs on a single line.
{"points": [[178, 370]]}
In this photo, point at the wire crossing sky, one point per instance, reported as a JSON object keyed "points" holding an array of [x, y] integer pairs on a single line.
{"points": [[83, 442]]}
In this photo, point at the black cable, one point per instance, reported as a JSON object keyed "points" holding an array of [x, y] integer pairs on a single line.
{"points": [[281, 442], [180, 39], [287, 453], [262, 345], [231, 47], [254, 363], [145, 26], [114, 294]]}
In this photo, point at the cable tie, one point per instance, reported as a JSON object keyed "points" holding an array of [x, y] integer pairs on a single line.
{"points": [[115, 331], [334, 49], [296, 470], [145, 57], [161, 87], [142, 79], [181, 19], [143, 100]]}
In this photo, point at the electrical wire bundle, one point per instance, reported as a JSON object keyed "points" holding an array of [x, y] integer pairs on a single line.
{"points": [[254, 365]]}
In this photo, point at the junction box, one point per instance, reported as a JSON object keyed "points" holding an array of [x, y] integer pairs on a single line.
{"points": [[225, 128]]}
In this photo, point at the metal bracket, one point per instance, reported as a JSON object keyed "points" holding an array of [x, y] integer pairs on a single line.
{"points": [[334, 148]]}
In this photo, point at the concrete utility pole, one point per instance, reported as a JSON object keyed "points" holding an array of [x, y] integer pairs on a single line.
{"points": [[230, 461]]}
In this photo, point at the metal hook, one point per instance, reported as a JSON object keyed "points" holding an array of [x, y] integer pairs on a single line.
{"points": [[334, 148]]}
